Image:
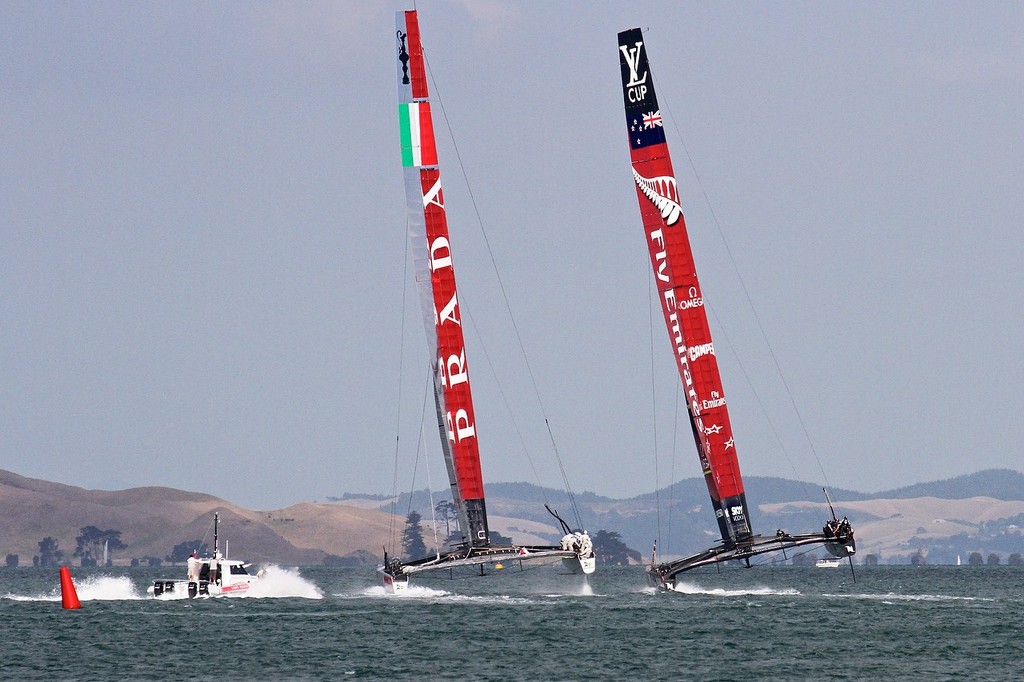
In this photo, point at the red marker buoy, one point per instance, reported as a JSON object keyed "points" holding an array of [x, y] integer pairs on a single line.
{"points": [[68, 596]]}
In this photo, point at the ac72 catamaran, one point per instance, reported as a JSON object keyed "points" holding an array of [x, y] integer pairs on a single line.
{"points": [[435, 274], [682, 303]]}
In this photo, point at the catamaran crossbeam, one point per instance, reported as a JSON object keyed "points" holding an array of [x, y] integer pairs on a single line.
{"points": [[839, 544]]}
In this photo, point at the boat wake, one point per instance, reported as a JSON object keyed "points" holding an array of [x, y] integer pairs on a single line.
{"points": [[412, 592], [891, 597], [91, 588], [276, 582], [280, 582], [694, 588], [421, 593]]}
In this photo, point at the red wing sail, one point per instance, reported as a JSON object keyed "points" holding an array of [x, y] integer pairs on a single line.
{"points": [[435, 273], [681, 299]]}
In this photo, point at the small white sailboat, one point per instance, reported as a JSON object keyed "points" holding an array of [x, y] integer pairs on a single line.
{"points": [[212, 576]]}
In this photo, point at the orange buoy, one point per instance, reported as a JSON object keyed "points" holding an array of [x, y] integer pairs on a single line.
{"points": [[68, 595]]}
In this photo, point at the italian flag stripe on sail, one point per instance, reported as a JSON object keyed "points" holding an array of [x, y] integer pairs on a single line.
{"points": [[417, 131]]}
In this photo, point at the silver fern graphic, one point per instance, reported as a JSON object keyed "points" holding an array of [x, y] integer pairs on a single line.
{"points": [[663, 193]]}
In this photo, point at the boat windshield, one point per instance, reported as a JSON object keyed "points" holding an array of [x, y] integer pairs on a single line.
{"points": [[238, 569]]}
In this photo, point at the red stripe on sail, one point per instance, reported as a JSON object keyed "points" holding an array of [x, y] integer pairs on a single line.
{"points": [[460, 420], [687, 322], [417, 72], [428, 150]]}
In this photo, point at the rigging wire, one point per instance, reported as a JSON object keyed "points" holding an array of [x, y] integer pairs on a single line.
{"points": [[504, 293], [205, 535], [654, 404], [757, 319], [426, 467], [398, 412], [504, 398], [672, 469]]}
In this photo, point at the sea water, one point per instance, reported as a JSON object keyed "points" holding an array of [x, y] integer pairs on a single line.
{"points": [[316, 623]]}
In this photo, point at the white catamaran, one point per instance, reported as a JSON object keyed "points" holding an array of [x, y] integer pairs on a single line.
{"points": [[682, 304], [435, 274], [210, 576]]}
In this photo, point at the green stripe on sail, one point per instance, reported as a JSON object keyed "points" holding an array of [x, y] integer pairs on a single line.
{"points": [[405, 130]]}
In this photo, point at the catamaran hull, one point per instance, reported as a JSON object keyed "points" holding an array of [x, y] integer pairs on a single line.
{"points": [[395, 577], [579, 565], [392, 584], [841, 550]]}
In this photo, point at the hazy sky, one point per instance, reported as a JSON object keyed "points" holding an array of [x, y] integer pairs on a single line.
{"points": [[203, 242]]}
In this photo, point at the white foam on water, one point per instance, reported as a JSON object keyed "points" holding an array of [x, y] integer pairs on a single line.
{"points": [[106, 588], [694, 588], [502, 599], [279, 582], [91, 588], [423, 593], [410, 592], [892, 597]]}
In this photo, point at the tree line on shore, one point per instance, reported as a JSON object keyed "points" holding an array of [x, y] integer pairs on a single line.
{"points": [[94, 546]]}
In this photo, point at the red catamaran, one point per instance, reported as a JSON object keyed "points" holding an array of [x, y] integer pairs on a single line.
{"points": [[435, 274], [682, 303]]}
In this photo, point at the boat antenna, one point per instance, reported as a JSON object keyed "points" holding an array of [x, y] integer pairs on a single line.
{"points": [[216, 523], [757, 320]]}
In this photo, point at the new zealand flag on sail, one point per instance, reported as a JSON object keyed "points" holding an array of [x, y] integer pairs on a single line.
{"points": [[643, 116]]}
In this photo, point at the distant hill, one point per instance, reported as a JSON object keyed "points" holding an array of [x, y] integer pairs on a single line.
{"points": [[979, 512], [999, 484], [153, 520], [896, 522]]}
